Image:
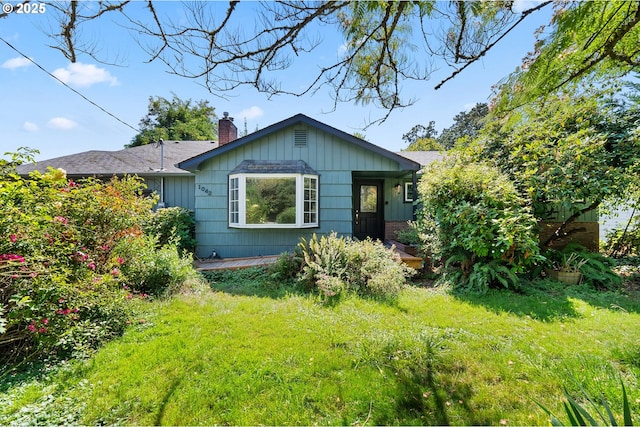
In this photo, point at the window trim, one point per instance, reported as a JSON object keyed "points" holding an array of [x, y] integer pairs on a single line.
{"points": [[301, 201]]}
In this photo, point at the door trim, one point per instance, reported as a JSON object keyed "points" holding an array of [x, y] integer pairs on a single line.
{"points": [[378, 227]]}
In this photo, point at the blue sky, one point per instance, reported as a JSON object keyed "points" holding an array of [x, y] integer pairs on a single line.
{"points": [[38, 112]]}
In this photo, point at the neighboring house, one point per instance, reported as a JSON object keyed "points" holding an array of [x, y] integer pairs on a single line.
{"points": [[155, 163], [257, 195]]}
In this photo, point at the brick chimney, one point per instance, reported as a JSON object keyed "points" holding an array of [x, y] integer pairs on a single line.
{"points": [[227, 131]]}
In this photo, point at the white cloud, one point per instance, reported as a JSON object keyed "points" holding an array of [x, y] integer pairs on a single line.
{"points": [[342, 49], [61, 123], [30, 127], [13, 63], [520, 6], [253, 112], [84, 75]]}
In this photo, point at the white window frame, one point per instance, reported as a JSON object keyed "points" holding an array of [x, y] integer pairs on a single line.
{"points": [[238, 207]]}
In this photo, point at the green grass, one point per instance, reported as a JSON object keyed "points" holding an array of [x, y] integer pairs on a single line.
{"points": [[252, 352]]}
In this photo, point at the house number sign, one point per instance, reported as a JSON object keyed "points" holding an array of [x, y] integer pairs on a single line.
{"points": [[205, 190]]}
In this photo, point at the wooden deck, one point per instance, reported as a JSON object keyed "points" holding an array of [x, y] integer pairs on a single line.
{"points": [[240, 263], [234, 263]]}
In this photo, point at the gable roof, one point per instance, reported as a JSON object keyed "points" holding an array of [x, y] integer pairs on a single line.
{"points": [[141, 160], [424, 158], [193, 163]]}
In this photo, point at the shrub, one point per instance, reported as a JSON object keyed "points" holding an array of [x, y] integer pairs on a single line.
{"points": [[173, 225], [61, 290], [287, 267], [147, 269], [287, 216], [473, 216], [375, 270], [409, 235], [335, 265]]}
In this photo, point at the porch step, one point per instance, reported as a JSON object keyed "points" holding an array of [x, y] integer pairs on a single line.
{"points": [[410, 260]]}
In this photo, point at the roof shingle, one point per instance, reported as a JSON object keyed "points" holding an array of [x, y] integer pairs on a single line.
{"points": [[142, 160]]}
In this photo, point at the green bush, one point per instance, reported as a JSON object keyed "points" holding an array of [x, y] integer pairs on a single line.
{"points": [[409, 235], [287, 216], [473, 217], [287, 267], [336, 265], [147, 269], [173, 225], [62, 289]]}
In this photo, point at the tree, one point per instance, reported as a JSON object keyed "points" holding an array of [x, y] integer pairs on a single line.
{"points": [[176, 120], [385, 43], [586, 40], [422, 138], [576, 149], [421, 132], [465, 124], [425, 144]]}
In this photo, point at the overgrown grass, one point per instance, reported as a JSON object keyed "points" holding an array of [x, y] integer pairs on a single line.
{"points": [[256, 352]]}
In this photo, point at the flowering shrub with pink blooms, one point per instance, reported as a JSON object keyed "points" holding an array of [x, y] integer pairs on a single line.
{"points": [[63, 268]]}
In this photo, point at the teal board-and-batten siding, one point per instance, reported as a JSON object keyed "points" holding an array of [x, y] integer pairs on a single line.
{"points": [[561, 213], [178, 190], [335, 161]]}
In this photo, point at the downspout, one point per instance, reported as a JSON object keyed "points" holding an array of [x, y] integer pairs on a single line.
{"points": [[414, 180], [161, 202]]}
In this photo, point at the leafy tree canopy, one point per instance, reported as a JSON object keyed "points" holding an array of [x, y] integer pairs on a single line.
{"points": [[178, 120], [425, 144], [421, 132], [591, 39], [576, 149], [422, 138], [465, 124]]}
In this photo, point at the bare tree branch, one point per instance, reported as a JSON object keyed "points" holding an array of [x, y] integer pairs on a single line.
{"points": [[560, 232], [488, 47], [222, 49]]}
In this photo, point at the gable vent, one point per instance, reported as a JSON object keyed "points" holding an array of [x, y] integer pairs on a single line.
{"points": [[300, 138]]}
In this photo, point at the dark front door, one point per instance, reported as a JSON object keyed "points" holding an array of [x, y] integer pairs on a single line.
{"points": [[368, 220]]}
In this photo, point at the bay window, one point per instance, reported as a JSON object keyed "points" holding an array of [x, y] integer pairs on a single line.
{"points": [[286, 197]]}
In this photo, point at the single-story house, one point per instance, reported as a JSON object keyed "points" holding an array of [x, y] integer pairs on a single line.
{"points": [[258, 194], [155, 163]]}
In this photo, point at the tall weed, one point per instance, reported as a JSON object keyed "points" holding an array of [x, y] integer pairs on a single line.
{"points": [[335, 265]]}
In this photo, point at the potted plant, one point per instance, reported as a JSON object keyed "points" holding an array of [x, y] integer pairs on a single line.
{"points": [[408, 240], [567, 270]]}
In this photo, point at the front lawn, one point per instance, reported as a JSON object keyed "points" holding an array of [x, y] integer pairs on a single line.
{"points": [[253, 352]]}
